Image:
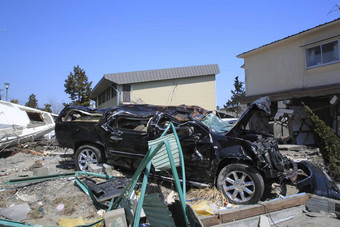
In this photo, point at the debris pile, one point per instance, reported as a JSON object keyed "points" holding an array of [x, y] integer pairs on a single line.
{"points": [[53, 202], [39, 186], [302, 153], [50, 202], [44, 197]]}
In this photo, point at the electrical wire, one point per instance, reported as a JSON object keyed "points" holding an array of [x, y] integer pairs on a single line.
{"points": [[267, 212]]}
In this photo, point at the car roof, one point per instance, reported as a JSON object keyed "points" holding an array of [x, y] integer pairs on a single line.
{"points": [[181, 113]]}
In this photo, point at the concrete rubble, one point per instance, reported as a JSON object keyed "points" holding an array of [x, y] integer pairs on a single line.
{"points": [[36, 203], [16, 212]]}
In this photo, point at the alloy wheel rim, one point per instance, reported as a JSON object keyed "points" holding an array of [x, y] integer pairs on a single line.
{"points": [[239, 186], [86, 158]]}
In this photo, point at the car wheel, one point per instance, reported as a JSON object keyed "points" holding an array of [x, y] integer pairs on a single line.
{"points": [[87, 155], [240, 184]]}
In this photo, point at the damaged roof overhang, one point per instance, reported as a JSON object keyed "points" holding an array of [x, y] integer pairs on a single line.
{"points": [[297, 93]]}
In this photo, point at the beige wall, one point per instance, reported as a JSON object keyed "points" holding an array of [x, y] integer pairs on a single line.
{"points": [[281, 66], [198, 91], [108, 103]]}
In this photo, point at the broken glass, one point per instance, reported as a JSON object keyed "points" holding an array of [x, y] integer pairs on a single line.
{"points": [[215, 123]]}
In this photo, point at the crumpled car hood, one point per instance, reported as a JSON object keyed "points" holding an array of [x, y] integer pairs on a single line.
{"points": [[262, 104]]}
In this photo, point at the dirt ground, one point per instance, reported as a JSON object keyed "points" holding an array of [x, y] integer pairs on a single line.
{"points": [[44, 197]]}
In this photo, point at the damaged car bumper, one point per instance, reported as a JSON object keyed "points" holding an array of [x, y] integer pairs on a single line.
{"points": [[316, 181]]}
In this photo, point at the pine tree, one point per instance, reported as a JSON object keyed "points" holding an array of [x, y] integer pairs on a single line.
{"points": [[32, 101], [78, 87], [47, 108], [15, 101], [233, 104]]}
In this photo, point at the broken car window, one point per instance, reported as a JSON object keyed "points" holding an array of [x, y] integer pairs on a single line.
{"points": [[78, 115], [135, 124], [215, 123]]}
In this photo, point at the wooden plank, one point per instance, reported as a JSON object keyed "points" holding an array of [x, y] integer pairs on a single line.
{"points": [[241, 213], [270, 206], [287, 203], [254, 210]]}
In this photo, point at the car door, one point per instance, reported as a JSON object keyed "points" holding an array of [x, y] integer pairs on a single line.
{"points": [[126, 140], [198, 153], [196, 146]]}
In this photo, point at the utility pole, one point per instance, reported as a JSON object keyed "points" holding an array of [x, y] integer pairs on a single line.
{"points": [[6, 86]]}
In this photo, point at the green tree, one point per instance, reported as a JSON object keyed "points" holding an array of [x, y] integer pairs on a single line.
{"points": [[328, 143], [78, 87], [32, 101], [15, 101], [47, 108], [233, 104]]}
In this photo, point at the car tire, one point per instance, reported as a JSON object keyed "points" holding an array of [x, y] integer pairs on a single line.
{"points": [[86, 155], [240, 184]]}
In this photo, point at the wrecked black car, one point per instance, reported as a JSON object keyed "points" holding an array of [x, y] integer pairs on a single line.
{"points": [[240, 160]]}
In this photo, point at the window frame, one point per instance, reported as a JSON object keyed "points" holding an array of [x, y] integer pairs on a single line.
{"points": [[321, 52], [108, 95], [116, 123], [127, 93]]}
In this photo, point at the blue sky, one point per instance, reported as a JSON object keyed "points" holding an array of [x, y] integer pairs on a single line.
{"points": [[45, 39]]}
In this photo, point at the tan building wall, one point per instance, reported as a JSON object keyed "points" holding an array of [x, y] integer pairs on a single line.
{"points": [[281, 66], [198, 91], [112, 101], [108, 104]]}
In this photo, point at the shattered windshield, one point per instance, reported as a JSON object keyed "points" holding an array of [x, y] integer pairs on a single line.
{"points": [[215, 123]]}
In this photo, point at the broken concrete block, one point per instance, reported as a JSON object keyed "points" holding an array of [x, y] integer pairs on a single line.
{"points": [[97, 168], [43, 171], [115, 218], [16, 212], [318, 203], [264, 221]]}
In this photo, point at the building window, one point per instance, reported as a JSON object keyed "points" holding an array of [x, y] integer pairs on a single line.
{"points": [[126, 92], [113, 90], [322, 54], [100, 99], [108, 95], [103, 97]]}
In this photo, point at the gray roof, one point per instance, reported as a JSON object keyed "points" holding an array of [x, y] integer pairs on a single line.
{"points": [[162, 74], [155, 75]]}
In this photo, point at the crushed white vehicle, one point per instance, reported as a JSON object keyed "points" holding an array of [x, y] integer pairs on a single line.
{"points": [[19, 124]]}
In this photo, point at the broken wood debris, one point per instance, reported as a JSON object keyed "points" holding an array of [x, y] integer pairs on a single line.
{"points": [[247, 211]]}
